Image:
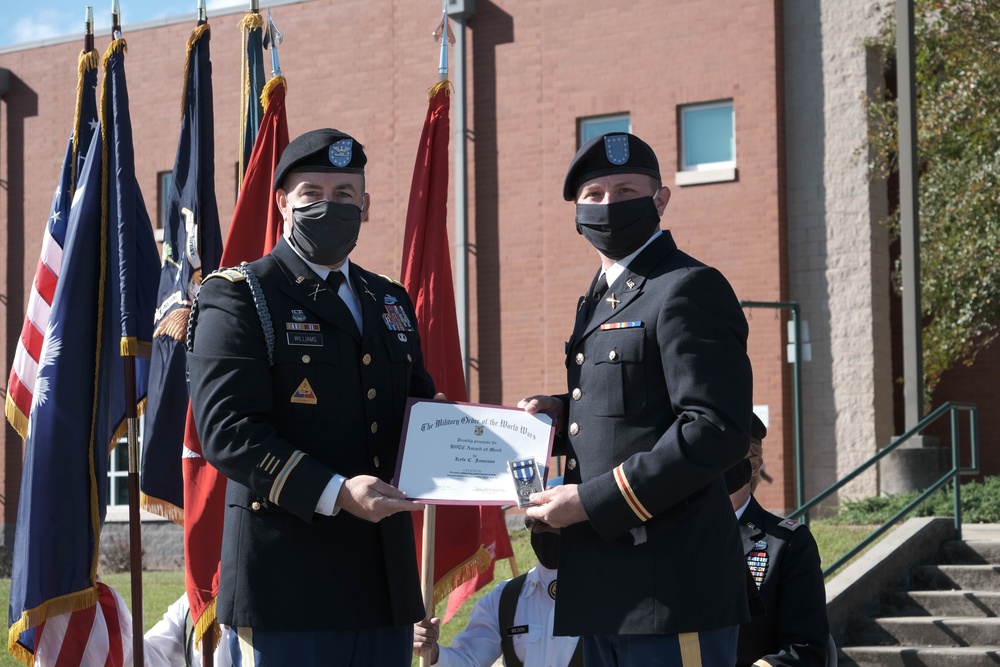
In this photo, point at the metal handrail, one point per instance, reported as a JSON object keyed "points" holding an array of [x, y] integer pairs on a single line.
{"points": [[951, 407]]}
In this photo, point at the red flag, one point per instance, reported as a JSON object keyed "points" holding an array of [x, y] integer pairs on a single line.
{"points": [[251, 236], [467, 539]]}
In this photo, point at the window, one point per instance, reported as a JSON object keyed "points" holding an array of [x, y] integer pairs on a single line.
{"points": [[118, 476], [595, 126], [708, 143], [164, 182]]}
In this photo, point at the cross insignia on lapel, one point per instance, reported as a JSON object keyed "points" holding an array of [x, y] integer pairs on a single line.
{"points": [[613, 300], [316, 290]]}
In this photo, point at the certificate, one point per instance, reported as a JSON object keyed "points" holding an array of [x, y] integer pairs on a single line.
{"points": [[457, 453]]}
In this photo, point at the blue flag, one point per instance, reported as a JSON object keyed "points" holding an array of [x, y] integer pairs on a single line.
{"points": [[252, 110], [64, 478], [102, 311], [192, 246]]}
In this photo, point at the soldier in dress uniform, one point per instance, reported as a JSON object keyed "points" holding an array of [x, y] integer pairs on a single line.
{"points": [[658, 408], [300, 367], [784, 561]]}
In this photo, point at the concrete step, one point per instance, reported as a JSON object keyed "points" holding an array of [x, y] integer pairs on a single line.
{"points": [[941, 631], [950, 577], [972, 552], [941, 603], [919, 656]]}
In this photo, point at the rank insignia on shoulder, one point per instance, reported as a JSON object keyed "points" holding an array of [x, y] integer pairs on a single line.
{"points": [[393, 281], [232, 275], [791, 524], [299, 315], [304, 394]]}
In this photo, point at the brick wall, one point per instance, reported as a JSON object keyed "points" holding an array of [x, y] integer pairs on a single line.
{"points": [[534, 68]]}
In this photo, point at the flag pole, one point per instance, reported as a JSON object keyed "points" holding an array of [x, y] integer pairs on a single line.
{"points": [[88, 34], [208, 639], [132, 422], [430, 511], [427, 568]]}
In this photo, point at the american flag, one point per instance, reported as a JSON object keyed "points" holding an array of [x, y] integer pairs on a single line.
{"points": [[98, 636], [23, 382]]}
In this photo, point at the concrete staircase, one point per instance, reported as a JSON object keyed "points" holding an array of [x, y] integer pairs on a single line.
{"points": [[947, 616]]}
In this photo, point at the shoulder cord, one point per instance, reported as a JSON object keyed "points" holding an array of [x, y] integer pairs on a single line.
{"points": [[259, 302]]}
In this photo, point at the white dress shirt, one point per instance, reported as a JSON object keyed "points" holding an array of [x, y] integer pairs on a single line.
{"points": [[163, 645], [478, 645]]}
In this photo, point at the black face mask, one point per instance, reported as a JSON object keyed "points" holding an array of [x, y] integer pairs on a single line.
{"points": [[326, 232], [546, 547], [619, 229]]}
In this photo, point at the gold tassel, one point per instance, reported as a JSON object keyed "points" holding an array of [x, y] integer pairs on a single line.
{"points": [[87, 61], [462, 573], [168, 511], [129, 346], [18, 420], [250, 21], [448, 88], [207, 621], [265, 95], [192, 40]]}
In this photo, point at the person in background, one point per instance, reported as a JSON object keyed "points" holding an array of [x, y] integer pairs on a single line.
{"points": [[170, 643], [784, 560], [513, 621]]}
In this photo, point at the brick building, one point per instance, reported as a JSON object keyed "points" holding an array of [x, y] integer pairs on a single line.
{"points": [[754, 109]]}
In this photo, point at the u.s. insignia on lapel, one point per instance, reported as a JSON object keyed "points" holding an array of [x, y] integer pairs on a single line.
{"points": [[298, 315], [396, 318], [630, 283], [304, 394], [757, 562]]}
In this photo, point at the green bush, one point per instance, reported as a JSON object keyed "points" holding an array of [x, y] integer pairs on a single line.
{"points": [[980, 504]]}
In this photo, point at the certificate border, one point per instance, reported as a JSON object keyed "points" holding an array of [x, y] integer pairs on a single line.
{"points": [[410, 402]]}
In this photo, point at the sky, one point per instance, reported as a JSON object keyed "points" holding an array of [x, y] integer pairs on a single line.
{"points": [[33, 20]]}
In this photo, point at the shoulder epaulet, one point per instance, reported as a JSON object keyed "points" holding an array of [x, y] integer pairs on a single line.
{"points": [[232, 275], [392, 280], [790, 524]]}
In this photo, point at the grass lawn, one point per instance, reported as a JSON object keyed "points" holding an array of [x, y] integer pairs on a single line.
{"points": [[159, 589]]}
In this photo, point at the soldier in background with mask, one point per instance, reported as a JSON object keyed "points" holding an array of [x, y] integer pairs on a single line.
{"points": [[300, 367], [651, 565]]}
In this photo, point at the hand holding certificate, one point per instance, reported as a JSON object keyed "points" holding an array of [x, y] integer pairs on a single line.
{"points": [[459, 453]]}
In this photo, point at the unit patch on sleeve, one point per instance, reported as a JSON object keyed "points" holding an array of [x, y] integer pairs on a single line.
{"points": [[304, 394]]}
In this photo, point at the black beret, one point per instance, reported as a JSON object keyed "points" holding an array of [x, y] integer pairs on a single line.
{"points": [[757, 430], [321, 150], [612, 153]]}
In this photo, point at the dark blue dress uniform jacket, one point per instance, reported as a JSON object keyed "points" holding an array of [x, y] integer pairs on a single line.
{"points": [[332, 402], [794, 629], [659, 407]]}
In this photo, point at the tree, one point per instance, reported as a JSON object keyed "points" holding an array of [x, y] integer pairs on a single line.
{"points": [[957, 46]]}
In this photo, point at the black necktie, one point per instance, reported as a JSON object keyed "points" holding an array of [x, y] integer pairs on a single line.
{"points": [[335, 280], [600, 289]]}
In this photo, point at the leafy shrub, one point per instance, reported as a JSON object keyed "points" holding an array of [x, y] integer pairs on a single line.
{"points": [[980, 504]]}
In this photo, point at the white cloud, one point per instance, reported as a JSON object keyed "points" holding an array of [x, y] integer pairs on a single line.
{"points": [[42, 24]]}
